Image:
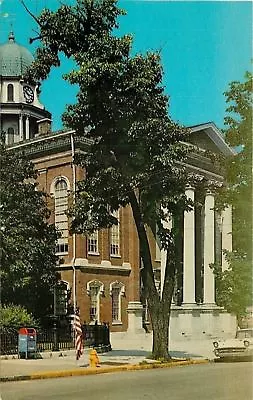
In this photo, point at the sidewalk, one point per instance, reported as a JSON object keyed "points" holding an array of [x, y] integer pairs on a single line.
{"points": [[126, 354]]}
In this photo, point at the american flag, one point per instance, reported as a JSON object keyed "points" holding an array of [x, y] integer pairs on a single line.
{"points": [[78, 336]]}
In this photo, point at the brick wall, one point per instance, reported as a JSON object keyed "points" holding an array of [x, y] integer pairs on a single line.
{"points": [[53, 166]]}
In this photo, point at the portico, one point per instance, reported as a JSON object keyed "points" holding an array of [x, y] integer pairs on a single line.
{"points": [[195, 317], [205, 235]]}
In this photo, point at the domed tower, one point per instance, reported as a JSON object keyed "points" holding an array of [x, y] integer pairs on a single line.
{"points": [[20, 108]]}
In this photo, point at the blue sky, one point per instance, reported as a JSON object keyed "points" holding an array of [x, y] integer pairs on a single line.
{"points": [[204, 45]]}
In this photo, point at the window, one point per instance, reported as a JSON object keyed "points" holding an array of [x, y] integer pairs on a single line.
{"points": [[95, 289], [10, 92], [61, 219], [244, 334], [93, 243], [117, 290], [10, 134], [115, 304], [115, 237]]}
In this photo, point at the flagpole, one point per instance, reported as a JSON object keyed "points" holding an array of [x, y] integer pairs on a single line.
{"points": [[78, 336], [74, 235]]}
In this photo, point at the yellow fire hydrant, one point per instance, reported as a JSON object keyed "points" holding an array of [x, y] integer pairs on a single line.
{"points": [[94, 360]]}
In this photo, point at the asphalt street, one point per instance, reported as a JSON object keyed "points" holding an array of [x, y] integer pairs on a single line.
{"points": [[214, 381]]}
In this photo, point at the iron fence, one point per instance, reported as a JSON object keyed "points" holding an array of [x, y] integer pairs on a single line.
{"points": [[52, 339], [9, 343], [97, 336], [55, 339]]}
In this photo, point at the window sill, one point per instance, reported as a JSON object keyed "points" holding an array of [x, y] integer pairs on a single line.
{"points": [[115, 255], [93, 254], [117, 323]]}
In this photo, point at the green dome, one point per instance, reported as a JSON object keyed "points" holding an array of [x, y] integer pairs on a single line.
{"points": [[14, 59]]}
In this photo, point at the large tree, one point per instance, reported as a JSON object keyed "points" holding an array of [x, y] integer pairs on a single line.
{"points": [[136, 149], [234, 286], [239, 169], [27, 239]]}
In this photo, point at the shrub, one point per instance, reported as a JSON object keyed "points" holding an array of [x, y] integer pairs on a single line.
{"points": [[13, 317]]}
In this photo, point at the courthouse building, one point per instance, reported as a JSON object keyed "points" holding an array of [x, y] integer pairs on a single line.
{"points": [[102, 270]]}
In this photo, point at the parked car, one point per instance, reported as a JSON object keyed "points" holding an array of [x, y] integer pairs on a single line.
{"points": [[239, 347]]}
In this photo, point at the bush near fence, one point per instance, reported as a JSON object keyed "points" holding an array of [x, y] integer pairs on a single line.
{"points": [[97, 336]]}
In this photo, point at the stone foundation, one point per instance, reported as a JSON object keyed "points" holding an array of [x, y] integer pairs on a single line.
{"points": [[201, 322]]}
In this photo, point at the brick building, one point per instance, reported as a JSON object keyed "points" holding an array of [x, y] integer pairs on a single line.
{"points": [[102, 270]]}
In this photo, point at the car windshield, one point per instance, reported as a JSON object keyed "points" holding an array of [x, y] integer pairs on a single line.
{"points": [[247, 333]]}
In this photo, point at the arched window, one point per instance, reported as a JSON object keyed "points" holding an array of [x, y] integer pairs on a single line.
{"points": [[61, 219], [95, 289], [10, 134], [117, 290], [115, 237], [10, 92]]}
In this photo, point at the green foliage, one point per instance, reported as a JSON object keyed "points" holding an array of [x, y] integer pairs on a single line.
{"points": [[239, 168], [27, 240], [68, 29], [234, 286], [13, 317]]}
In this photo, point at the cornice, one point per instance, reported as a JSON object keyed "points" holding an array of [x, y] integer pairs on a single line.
{"points": [[201, 173], [59, 142], [23, 108], [48, 144], [109, 270], [198, 161], [124, 269], [10, 78]]}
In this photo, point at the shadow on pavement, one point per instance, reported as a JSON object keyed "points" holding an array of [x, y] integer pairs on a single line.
{"points": [[231, 360], [183, 354], [143, 353], [134, 353]]}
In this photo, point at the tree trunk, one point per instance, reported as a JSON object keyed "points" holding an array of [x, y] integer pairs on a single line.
{"points": [[159, 308], [160, 314], [160, 324]]}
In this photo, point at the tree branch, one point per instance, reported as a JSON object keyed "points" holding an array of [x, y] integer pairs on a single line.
{"points": [[31, 40], [30, 13]]}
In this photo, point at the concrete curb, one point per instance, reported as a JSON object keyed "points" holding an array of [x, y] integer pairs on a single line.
{"points": [[100, 370]]}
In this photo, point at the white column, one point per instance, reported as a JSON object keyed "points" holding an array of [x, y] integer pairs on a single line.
{"points": [[209, 288], [27, 128], [163, 268], [21, 127], [167, 225], [189, 253], [226, 234]]}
